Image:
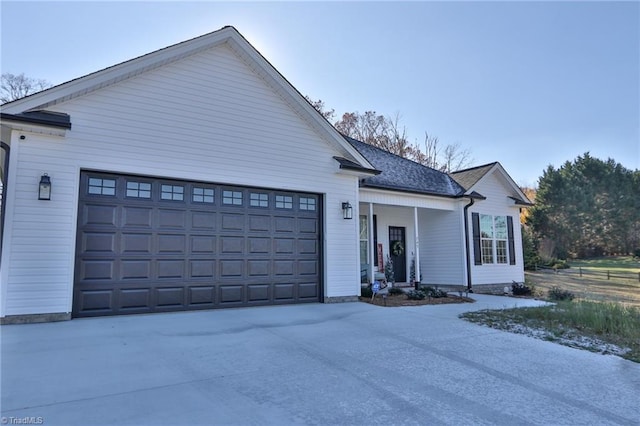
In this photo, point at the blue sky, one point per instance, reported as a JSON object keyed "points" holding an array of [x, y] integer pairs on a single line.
{"points": [[525, 83]]}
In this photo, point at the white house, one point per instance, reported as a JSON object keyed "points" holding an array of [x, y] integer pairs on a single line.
{"points": [[198, 177]]}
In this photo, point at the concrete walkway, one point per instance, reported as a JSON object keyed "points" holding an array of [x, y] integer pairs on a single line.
{"points": [[334, 364]]}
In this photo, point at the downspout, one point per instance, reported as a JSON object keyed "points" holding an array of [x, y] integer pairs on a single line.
{"points": [[466, 239], [4, 177]]}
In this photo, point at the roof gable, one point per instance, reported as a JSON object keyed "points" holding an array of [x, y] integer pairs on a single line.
{"points": [[471, 178], [228, 36], [401, 174]]}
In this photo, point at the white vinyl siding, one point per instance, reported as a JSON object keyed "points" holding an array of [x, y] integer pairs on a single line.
{"points": [[442, 258], [206, 118], [497, 204]]}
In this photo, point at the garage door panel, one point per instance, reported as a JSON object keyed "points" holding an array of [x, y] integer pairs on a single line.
{"points": [[308, 225], [203, 268], [159, 245], [285, 224], [172, 296], [201, 220], [136, 217], [284, 245], [203, 244], [136, 298], [308, 290], [231, 294], [233, 222], [201, 296], [307, 267], [172, 243], [96, 301], [91, 270], [258, 293], [99, 215], [284, 291], [260, 223], [135, 269], [171, 269], [231, 268], [172, 219], [307, 247], [231, 245], [283, 267], [258, 268], [136, 243], [98, 242], [259, 245]]}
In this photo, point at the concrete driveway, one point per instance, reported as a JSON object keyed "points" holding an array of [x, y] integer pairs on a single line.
{"points": [[334, 364]]}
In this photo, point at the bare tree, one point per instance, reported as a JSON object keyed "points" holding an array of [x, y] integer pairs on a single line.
{"points": [[390, 134], [18, 86], [319, 106]]}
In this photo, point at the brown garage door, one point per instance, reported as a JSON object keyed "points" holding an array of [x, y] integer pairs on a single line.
{"points": [[157, 245]]}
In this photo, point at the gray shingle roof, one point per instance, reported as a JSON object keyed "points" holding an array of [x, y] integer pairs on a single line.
{"points": [[469, 177], [400, 174]]}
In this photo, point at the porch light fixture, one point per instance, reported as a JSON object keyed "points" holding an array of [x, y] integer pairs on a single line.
{"points": [[347, 211], [44, 190]]}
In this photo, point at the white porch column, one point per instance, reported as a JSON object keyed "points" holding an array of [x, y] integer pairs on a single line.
{"points": [[417, 248], [371, 243]]}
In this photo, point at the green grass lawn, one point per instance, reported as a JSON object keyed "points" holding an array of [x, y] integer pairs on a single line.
{"points": [[611, 263], [604, 317]]}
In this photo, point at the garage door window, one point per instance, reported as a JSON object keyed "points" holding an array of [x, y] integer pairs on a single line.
{"points": [[284, 202], [138, 189], [102, 186], [172, 192], [202, 195], [232, 197], [258, 200]]}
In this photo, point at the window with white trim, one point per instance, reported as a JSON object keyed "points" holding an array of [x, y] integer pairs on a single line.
{"points": [[493, 239]]}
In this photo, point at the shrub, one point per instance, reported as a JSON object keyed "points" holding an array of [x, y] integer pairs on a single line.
{"points": [[366, 291], [433, 292], [560, 264], [415, 295], [556, 293], [520, 289], [395, 290]]}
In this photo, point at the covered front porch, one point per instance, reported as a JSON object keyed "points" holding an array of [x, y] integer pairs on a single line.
{"points": [[420, 237]]}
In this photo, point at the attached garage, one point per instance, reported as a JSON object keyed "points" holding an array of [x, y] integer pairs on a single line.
{"points": [[193, 177], [155, 245]]}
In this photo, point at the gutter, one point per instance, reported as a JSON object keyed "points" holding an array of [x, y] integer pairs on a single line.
{"points": [[472, 197], [4, 178], [466, 240]]}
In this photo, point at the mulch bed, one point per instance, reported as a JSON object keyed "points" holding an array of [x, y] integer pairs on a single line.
{"points": [[392, 301]]}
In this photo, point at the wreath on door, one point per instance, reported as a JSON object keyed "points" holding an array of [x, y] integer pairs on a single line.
{"points": [[397, 249]]}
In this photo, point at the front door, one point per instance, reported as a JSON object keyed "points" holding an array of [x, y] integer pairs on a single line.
{"points": [[397, 250]]}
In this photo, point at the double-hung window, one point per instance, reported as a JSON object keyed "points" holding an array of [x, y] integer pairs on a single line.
{"points": [[493, 239]]}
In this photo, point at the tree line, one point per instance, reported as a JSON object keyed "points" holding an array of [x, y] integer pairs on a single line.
{"points": [[388, 133], [586, 208]]}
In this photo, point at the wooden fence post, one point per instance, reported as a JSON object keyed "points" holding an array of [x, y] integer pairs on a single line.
{"points": [[608, 274], [580, 271]]}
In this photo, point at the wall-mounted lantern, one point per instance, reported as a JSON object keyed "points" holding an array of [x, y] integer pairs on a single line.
{"points": [[347, 211], [44, 190]]}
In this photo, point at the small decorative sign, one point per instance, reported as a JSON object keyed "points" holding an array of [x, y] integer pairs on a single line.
{"points": [[376, 287]]}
